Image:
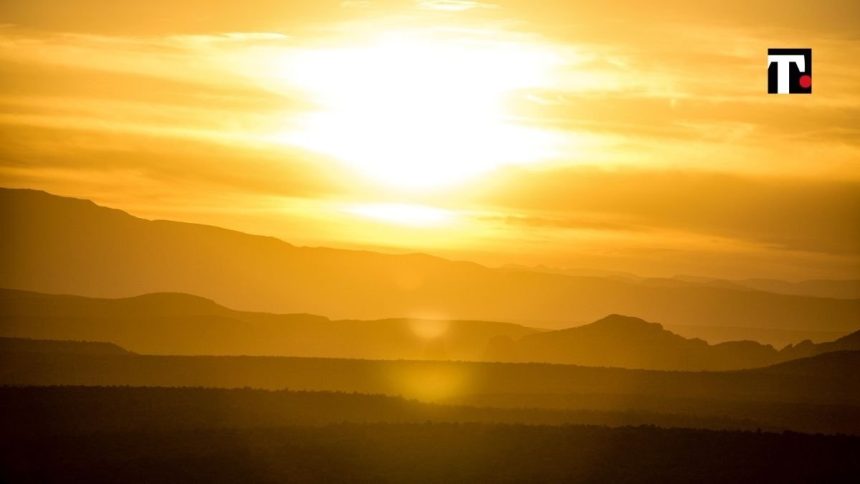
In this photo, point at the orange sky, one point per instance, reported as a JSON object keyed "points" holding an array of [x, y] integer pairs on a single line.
{"points": [[625, 136]]}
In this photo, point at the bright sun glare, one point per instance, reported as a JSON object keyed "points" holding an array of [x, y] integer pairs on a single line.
{"points": [[402, 213], [415, 112]]}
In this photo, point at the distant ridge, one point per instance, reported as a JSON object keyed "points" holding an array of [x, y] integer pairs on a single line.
{"points": [[173, 323], [26, 345], [629, 342], [182, 324], [820, 365]]}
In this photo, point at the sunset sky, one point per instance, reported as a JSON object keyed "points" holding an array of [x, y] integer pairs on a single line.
{"points": [[621, 136]]}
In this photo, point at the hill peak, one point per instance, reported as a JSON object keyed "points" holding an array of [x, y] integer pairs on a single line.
{"points": [[174, 301], [622, 322]]}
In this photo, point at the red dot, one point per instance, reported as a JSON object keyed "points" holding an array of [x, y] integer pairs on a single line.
{"points": [[805, 81]]}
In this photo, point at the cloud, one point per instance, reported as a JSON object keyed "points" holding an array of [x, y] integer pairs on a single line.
{"points": [[163, 17], [453, 5], [54, 158], [785, 213], [579, 222]]}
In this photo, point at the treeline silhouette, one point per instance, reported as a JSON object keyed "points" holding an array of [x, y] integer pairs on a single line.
{"points": [[428, 452], [828, 378], [112, 409], [814, 395]]}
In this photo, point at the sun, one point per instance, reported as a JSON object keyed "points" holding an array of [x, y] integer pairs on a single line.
{"points": [[419, 111], [408, 214]]}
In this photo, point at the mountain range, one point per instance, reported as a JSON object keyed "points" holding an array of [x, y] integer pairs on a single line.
{"points": [[182, 324], [628, 342], [61, 245]]}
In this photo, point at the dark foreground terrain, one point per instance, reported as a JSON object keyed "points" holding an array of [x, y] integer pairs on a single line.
{"points": [[139, 418], [124, 434], [429, 452], [815, 395]]}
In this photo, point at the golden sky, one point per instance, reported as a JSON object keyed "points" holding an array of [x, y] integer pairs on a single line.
{"points": [[623, 136]]}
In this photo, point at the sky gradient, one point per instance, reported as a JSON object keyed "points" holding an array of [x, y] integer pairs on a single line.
{"points": [[617, 136]]}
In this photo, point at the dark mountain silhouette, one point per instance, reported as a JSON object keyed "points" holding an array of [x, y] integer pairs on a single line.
{"points": [[188, 325], [777, 337], [629, 342], [61, 245], [849, 342], [25, 345], [185, 324]]}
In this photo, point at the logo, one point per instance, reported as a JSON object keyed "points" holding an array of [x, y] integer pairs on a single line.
{"points": [[789, 71]]}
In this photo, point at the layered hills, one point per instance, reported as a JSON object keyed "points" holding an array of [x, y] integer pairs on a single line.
{"points": [[181, 324], [55, 244]]}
